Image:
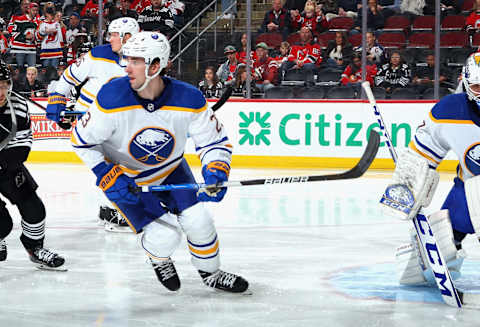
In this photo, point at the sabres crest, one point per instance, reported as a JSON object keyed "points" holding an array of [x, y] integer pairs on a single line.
{"points": [[152, 145], [472, 159]]}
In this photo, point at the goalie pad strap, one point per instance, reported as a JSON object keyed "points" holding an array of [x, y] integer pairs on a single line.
{"points": [[412, 186], [472, 193]]}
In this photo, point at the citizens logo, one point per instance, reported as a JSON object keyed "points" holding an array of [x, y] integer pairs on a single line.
{"points": [[254, 128]]}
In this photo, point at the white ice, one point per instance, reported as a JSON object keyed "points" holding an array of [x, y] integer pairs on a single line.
{"points": [[288, 241]]}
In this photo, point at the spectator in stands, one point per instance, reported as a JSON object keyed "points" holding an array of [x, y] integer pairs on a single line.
{"points": [[265, 70], [312, 17], [294, 5], [226, 71], [240, 82], [125, 10], [177, 8], [73, 27], [352, 75], [210, 86], [340, 8], [472, 23], [22, 38], [31, 87], [282, 56], [3, 40], [91, 9], [242, 55], [447, 7], [339, 51], [157, 17], [306, 56], [52, 36], [394, 74], [424, 77], [276, 20], [22, 9], [34, 11], [375, 52], [375, 17]]}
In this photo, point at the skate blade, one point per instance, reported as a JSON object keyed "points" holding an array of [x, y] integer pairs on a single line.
{"points": [[248, 292], [117, 229], [43, 267]]}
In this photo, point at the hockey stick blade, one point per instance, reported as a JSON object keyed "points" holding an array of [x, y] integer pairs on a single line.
{"points": [[360, 168], [224, 98]]}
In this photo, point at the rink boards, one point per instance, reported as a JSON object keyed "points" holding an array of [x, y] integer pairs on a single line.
{"points": [[281, 133]]}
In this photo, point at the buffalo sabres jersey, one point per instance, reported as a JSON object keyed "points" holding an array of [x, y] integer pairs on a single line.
{"points": [[99, 66], [453, 124], [147, 138]]}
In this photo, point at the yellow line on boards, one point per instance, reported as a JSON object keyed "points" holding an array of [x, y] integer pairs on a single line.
{"points": [[242, 161]]}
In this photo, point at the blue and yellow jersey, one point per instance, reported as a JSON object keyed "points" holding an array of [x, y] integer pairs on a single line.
{"points": [[99, 66], [147, 138], [453, 124]]}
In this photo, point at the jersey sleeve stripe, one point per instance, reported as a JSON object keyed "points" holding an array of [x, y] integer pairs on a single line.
{"points": [[215, 148], [214, 143], [73, 75], [426, 156], [424, 147], [66, 80], [83, 97], [450, 121], [70, 78], [78, 137]]}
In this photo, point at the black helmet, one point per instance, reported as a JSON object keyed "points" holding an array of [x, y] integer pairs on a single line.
{"points": [[5, 74]]}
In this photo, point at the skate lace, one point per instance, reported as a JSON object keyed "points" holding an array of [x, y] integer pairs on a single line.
{"points": [[3, 245], [115, 217], [222, 278], [165, 267], [44, 255]]}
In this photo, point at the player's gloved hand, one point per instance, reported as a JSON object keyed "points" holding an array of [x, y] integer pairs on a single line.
{"points": [[213, 173], [115, 184], [56, 104], [67, 120]]}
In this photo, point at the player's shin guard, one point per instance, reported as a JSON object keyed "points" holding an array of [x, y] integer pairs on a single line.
{"points": [[160, 240], [201, 237]]}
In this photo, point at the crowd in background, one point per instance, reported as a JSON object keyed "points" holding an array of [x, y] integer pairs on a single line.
{"points": [[303, 53]]}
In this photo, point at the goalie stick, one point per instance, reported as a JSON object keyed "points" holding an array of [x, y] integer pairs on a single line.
{"points": [[444, 281], [358, 170]]}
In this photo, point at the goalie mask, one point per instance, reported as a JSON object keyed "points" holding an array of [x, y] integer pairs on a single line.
{"points": [[471, 77], [151, 46]]}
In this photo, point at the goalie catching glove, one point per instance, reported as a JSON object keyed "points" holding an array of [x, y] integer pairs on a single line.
{"points": [[412, 186], [214, 173], [115, 184]]}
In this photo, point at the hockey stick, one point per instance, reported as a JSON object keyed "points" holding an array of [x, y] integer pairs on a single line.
{"points": [[444, 281], [13, 130], [225, 96], [357, 171]]}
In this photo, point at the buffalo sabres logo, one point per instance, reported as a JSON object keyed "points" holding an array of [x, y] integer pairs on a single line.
{"points": [[152, 145], [472, 159]]}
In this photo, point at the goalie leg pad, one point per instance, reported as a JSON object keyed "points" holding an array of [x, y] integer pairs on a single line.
{"points": [[412, 266], [160, 239], [412, 186], [472, 193], [197, 223]]}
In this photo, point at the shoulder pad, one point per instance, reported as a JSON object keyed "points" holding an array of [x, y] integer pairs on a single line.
{"points": [[104, 52], [186, 95], [108, 100], [451, 107]]}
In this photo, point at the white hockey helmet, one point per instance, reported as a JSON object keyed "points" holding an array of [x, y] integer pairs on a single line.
{"points": [[471, 76], [123, 26], [151, 46]]}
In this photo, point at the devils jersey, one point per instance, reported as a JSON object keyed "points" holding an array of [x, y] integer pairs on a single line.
{"points": [[52, 36], [473, 21], [147, 138], [308, 53], [19, 28], [99, 65], [18, 147], [452, 125]]}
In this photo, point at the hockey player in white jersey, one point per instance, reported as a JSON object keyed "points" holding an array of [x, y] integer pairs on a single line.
{"points": [[453, 124], [134, 134], [97, 67]]}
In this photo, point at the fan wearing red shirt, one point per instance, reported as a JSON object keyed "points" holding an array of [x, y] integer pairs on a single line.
{"points": [[306, 56], [265, 71]]}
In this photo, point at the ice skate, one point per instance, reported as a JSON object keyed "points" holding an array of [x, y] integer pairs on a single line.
{"points": [[3, 250], [166, 273], [113, 221], [46, 259], [224, 281]]}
